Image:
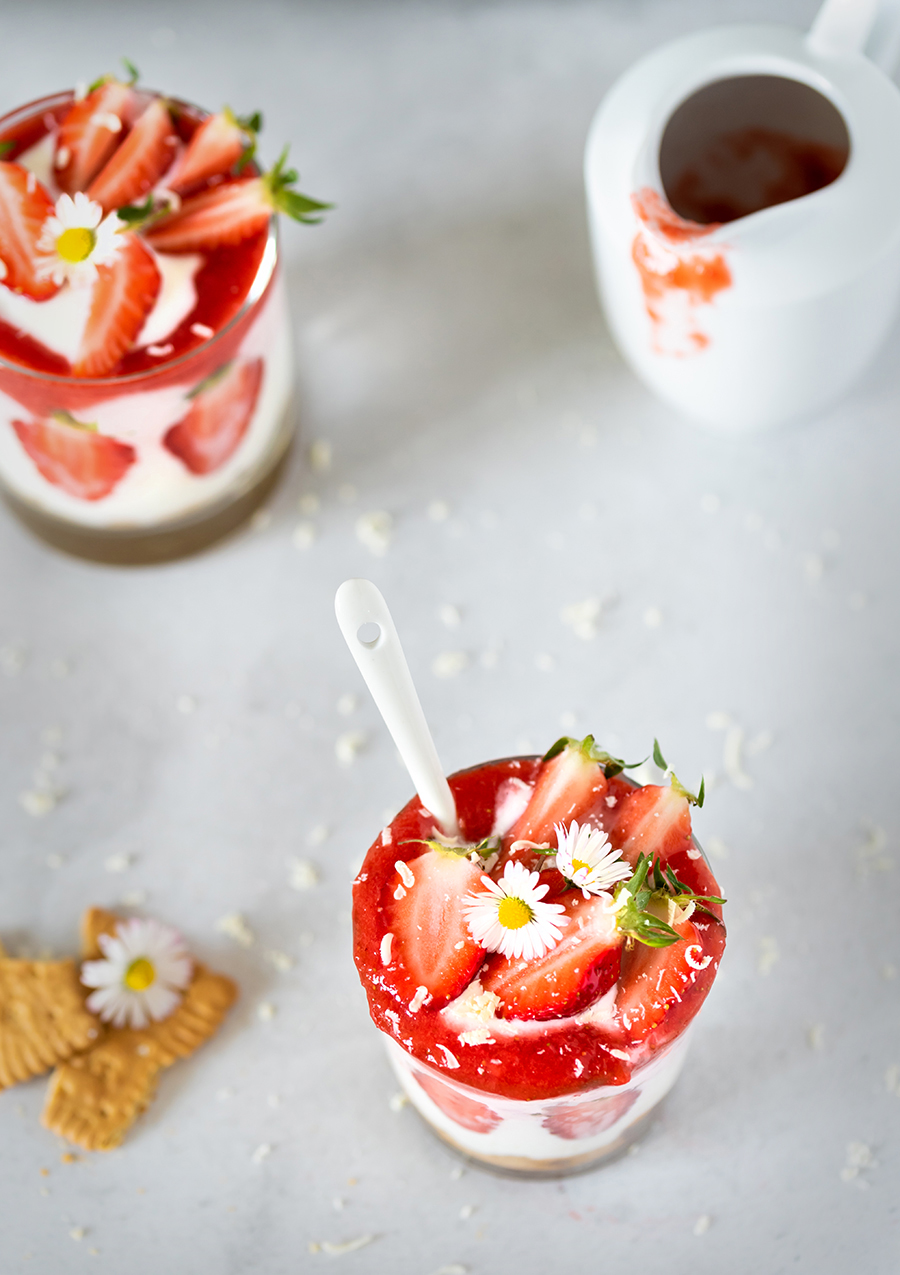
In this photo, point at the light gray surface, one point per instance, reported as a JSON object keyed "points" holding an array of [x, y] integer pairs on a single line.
{"points": [[450, 347]]}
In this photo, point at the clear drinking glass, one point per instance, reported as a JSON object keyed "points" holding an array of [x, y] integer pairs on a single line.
{"points": [[229, 392]]}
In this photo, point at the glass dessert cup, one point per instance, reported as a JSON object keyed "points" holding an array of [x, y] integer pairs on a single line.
{"points": [[185, 437], [530, 1083]]}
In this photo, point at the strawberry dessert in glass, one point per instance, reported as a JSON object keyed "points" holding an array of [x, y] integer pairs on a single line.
{"points": [[535, 978], [145, 349]]}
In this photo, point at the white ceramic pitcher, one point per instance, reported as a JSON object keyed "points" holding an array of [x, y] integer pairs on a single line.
{"points": [[770, 314]]}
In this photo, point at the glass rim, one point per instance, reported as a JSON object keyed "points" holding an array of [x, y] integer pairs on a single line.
{"points": [[261, 280]]}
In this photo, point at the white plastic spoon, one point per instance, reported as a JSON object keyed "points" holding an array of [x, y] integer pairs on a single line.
{"points": [[382, 663]]}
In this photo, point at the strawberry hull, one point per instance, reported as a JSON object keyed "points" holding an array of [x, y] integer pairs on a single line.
{"points": [[587, 1047]]}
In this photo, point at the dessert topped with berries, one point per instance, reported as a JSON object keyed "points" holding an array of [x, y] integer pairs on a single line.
{"points": [[131, 228], [145, 352], [567, 936]]}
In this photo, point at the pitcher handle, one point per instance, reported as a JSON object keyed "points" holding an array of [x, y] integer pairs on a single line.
{"points": [[858, 26]]}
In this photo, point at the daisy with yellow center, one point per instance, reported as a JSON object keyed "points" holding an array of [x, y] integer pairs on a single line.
{"points": [[585, 857], [509, 917], [75, 239], [146, 969]]}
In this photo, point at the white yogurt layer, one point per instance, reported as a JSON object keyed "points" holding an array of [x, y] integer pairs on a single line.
{"points": [[59, 323], [158, 488], [522, 1129]]}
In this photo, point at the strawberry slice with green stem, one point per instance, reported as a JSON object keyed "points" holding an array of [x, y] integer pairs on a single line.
{"points": [[222, 141], [24, 207], [124, 293], [221, 411], [74, 456], [146, 153], [581, 968], [91, 132], [571, 780], [430, 937], [233, 211]]}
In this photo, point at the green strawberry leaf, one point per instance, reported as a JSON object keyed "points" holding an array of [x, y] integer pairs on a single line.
{"points": [[6, 147], [611, 765], [277, 183], [133, 73], [135, 215]]}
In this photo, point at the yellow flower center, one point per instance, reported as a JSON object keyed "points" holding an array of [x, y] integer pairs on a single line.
{"points": [[578, 864], [139, 975], [76, 244], [514, 913]]}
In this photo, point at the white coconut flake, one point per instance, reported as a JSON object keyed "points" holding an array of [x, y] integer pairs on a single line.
{"points": [[449, 664], [653, 617], [438, 511], [582, 617], [398, 1101], [731, 760], [859, 1160], [815, 1036], [892, 1079], [348, 745], [118, 862], [769, 955], [280, 960], [266, 1011], [450, 1059], [449, 615], [702, 1225], [304, 535], [466, 1212], [341, 1250], [422, 997], [386, 944], [302, 875], [718, 720], [479, 1036], [317, 834], [405, 873], [320, 455], [133, 899], [262, 1152], [695, 958], [374, 531], [201, 330], [347, 704], [387, 836], [39, 802], [235, 927]]}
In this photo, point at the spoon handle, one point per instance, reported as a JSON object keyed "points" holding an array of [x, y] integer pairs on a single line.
{"points": [[382, 663]]}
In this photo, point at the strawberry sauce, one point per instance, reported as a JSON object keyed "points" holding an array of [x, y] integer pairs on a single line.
{"points": [[537, 1060], [222, 284]]}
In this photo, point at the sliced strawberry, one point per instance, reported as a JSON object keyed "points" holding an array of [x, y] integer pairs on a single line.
{"points": [[653, 821], [567, 979], [653, 978], [215, 148], [234, 211], [575, 1120], [477, 1116], [431, 938], [221, 410], [24, 207], [124, 294], [139, 162], [88, 136], [222, 215], [74, 456], [567, 785]]}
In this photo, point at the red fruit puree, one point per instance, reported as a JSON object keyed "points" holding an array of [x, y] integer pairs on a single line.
{"points": [[649, 994]]}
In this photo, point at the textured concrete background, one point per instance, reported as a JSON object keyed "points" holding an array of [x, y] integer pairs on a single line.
{"points": [[450, 349]]}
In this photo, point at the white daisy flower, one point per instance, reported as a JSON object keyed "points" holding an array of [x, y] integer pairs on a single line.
{"points": [[75, 239], [509, 917], [585, 857], [145, 971]]}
